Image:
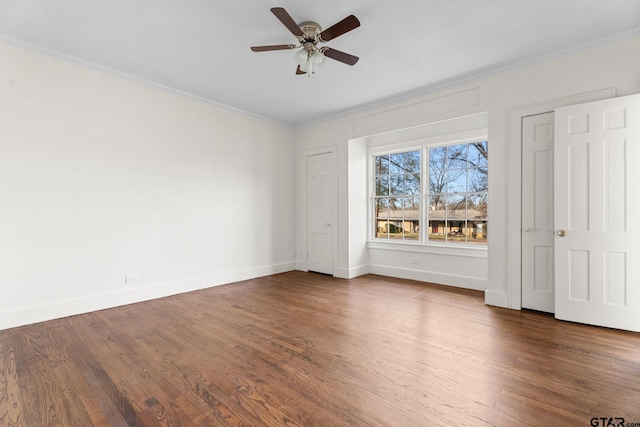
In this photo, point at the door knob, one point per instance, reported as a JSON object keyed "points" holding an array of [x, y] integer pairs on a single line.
{"points": [[529, 229], [562, 233]]}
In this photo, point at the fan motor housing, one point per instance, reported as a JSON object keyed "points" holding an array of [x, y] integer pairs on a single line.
{"points": [[310, 29]]}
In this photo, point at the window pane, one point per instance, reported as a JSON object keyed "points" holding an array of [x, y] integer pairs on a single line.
{"points": [[381, 228], [477, 206], [412, 208], [456, 181], [457, 231], [478, 154], [412, 184], [437, 231], [478, 179], [411, 231], [412, 162], [394, 227], [437, 181], [437, 216], [395, 207], [396, 163], [457, 156], [381, 207], [437, 158], [478, 232], [381, 213], [456, 207], [382, 165], [411, 218], [437, 204], [382, 186], [397, 185]]}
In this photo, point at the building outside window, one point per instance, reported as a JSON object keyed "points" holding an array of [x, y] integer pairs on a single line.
{"points": [[451, 209]]}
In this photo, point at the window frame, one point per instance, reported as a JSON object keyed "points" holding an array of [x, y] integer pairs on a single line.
{"points": [[422, 244], [403, 195]]}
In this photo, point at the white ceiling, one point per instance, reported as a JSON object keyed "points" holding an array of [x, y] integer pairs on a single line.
{"points": [[201, 47]]}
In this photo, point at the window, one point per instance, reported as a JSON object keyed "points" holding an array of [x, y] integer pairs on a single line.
{"points": [[457, 194], [454, 203], [397, 196]]}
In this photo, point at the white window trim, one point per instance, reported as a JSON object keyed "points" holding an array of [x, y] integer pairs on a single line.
{"points": [[421, 245], [429, 248]]}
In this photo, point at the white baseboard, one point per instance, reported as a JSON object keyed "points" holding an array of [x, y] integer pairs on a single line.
{"points": [[457, 280], [26, 315], [350, 273], [301, 265], [498, 299], [358, 271]]}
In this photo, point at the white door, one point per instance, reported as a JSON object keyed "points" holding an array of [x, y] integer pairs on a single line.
{"points": [[320, 213], [537, 213], [597, 206]]}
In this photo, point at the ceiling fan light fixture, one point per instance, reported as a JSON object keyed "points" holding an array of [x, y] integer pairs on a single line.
{"points": [[318, 59], [301, 56], [310, 61], [307, 67]]}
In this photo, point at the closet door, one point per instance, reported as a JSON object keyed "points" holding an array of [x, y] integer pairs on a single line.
{"points": [[597, 204]]}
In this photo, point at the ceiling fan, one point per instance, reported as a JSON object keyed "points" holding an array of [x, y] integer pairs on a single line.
{"points": [[309, 35]]}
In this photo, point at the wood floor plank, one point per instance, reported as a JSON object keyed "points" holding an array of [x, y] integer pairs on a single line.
{"points": [[11, 402], [302, 349]]}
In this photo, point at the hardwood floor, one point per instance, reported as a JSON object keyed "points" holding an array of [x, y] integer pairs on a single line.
{"points": [[301, 349]]}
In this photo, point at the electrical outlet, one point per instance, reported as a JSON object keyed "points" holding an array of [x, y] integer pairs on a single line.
{"points": [[132, 278], [415, 260]]}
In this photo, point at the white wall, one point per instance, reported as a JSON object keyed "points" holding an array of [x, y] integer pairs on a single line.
{"points": [[102, 177], [613, 65]]}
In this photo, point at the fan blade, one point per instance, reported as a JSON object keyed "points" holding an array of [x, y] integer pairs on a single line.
{"points": [[340, 56], [287, 20], [347, 24], [299, 71], [273, 47]]}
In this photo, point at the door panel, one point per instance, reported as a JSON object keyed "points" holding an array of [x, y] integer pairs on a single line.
{"points": [[320, 213], [597, 261], [537, 213]]}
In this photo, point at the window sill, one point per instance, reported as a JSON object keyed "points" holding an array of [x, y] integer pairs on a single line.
{"points": [[467, 251]]}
